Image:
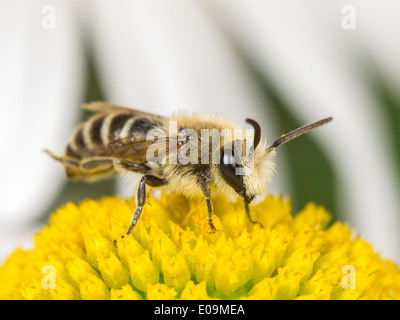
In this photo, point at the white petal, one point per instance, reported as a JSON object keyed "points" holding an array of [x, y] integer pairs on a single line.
{"points": [[40, 93]]}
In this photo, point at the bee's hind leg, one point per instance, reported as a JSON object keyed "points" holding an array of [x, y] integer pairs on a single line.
{"points": [[67, 161], [152, 181]]}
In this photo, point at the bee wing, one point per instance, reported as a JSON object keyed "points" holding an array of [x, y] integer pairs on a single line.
{"points": [[104, 107], [136, 150], [130, 149]]}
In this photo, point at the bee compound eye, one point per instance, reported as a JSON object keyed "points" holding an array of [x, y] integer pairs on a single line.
{"points": [[228, 165]]}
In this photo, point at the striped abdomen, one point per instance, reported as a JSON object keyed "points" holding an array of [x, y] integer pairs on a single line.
{"points": [[118, 134]]}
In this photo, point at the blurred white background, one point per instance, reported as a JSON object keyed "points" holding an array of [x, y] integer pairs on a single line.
{"points": [[284, 63]]}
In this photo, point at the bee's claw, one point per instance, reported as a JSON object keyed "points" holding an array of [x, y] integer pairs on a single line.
{"points": [[51, 154], [261, 225], [213, 228]]}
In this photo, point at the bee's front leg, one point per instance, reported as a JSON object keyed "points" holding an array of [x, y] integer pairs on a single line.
{"points": [[152, 181], [206, 191], [247, 208]]}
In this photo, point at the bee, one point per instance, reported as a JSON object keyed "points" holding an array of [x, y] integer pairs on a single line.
{"points": [[116, 141]]}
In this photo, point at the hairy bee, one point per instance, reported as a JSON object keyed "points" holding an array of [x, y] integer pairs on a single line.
{"points": [[116, 140]]}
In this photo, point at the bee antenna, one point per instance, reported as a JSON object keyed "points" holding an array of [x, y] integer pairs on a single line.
{"points": [[257, 131], [297, 132]]}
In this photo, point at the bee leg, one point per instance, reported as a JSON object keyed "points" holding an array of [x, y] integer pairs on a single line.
{"points": [[64, 160], [206, 191], [152, 181], [98, 164], [247, 207]]}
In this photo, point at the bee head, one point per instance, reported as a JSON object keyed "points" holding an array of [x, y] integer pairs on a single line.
{"points": [[231, 165], [236, 168], [249, 175]]}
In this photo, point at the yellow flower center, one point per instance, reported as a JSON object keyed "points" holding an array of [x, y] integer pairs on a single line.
{"points": [[171, 254]]}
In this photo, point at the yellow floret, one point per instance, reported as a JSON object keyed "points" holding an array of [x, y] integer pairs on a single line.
{"points": [[171, 254]]}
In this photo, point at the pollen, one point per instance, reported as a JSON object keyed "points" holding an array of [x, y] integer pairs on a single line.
{"points": [[171, 254]]}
